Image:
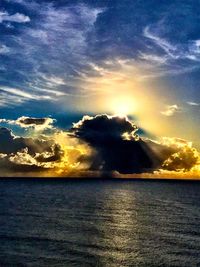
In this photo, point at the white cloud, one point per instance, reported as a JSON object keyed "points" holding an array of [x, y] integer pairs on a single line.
{"points": [[9, 99], [16, 1], [53, 80], [170, 71], [13, 96], [4, 49], [38, 124], [161, 42], [60, 34], [153, 58], [189, 50], [195, 46], [193, 103], [170, 110], [17, 17], [17, 92]]}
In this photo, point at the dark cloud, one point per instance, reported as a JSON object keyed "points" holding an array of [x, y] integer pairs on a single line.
{"points": [[118, 148], [102, 144], [103, 128], [10, 143], [28, 121], [37, 123], [8, 165], [55, 155], [27, 154]]}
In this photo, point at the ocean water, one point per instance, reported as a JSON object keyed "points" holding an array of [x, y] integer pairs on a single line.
{"points": [[99, 223]]}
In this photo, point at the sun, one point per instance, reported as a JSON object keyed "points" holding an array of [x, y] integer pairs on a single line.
{"points": [[123, 106]]}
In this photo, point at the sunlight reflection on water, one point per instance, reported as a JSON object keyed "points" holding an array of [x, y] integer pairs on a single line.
{"points": [[108, 224]]}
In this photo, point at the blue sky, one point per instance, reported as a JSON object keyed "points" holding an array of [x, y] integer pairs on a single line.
{"points": [[66, 59], [47, 47], [49, 50]]}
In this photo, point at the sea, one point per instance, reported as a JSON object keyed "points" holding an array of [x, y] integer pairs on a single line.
{"points": [[99, 222]]}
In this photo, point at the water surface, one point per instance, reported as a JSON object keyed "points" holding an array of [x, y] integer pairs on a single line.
{"points": [[99, 223]]}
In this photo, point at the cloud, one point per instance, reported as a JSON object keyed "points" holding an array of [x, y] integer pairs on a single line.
{"points": [[194, 50], [11, 144], [183, 160], [4, 50], [38, 124], [117, 146], [153, 58], [170, 110], [55, 155], [59, 33], [161, 42], [17, 96], [20, 154], [17, 17], [94, 146], [41, 156], [186, 50], [103, 126], [193, 103], [78, 42]]}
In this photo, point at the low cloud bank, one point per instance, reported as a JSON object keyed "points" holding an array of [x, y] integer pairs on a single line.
{"points": [[98, 145], [119, 148]]}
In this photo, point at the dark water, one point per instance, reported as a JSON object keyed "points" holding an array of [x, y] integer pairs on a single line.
{"points": [[99, 223]]}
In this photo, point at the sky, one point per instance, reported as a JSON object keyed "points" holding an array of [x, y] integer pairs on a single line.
{"points": [[85, 83]]}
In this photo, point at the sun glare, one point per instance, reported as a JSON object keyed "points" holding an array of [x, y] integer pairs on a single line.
{"points": [[122, 106]]}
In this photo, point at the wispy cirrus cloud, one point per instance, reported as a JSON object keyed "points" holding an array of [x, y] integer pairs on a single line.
{"points": [[22, 93], [193, 103], [53, 50], [17, 17], [161, 42], [153, 58], [66, 45], [4, 50], [17, 96], [188, 50]]}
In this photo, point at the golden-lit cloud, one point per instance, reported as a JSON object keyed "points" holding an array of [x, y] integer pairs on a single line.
{"points": [[96, 146], [31, 156], [170, 110], [38, 124], [185, 161]]}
